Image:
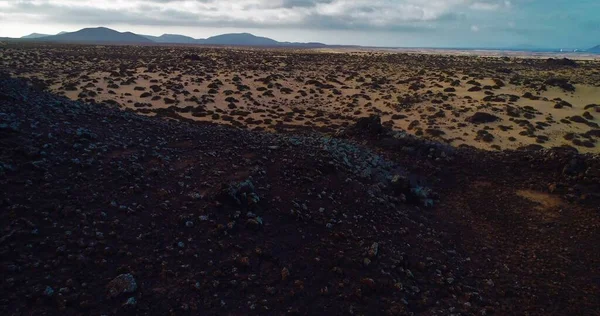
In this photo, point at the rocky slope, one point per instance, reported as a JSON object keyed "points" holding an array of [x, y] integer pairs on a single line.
{"points": [[108, 212]]}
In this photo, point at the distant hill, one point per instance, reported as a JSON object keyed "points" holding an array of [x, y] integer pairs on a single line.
{"points": [[239, 39], [232, 39], [595, 49], [310, 44], [224, 39], [247, 39], [106, 35], [36, 35], [172, 38], [98, 35]]}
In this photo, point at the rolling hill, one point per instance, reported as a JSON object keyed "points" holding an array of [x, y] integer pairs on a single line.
{"points": [[35, 35], [595, 49], [243, 39], [172, 38], [106, 35], [98, 35], [240, 39]]}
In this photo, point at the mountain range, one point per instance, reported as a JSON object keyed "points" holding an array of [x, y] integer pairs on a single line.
{"points": [[35, 35], [106, 35]]}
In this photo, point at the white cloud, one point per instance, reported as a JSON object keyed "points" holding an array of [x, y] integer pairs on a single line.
{"points": [[474, 28], [310, 13], [490, 5]]}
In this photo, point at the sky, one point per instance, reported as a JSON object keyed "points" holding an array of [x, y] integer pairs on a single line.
{"points": [[387, 23]]}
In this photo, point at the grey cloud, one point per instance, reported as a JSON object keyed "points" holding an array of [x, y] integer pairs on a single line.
{"points": [[402, 16], [302, 3]]}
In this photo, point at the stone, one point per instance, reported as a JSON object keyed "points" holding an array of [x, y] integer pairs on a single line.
{"points": [[124, 283], [243, 262], [374, 250], [368, 283], [482, 117], [371, 124], [130, 302], [48, 291], [253, 224], [366, 262], [285, 273]]}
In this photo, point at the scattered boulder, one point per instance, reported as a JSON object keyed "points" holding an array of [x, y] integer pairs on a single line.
{"points": [[482, 118], [561, 83], [124, 283], [242, 193], [562, 104], [371, 124], [193, 57], [529, 95], [564, 62], [435, 132]]}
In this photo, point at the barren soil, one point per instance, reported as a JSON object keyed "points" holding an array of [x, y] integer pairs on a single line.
{"points": [[111, 209], [541, 102]]}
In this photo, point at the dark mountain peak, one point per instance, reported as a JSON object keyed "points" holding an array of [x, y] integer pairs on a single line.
{"points": [[173, 38], [35, 35], [98, 35], [169, 35], [241, 39], [103, 34], [239, 35], [95, 29]]}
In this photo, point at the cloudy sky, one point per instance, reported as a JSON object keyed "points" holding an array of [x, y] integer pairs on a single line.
{"points": [[404, 23]]}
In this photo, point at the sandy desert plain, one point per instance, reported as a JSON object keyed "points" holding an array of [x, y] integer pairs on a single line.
{"points": [[490, 102]]}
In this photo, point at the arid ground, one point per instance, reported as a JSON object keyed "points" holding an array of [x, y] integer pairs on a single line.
{"points": [[333, 183], [492, 103]]}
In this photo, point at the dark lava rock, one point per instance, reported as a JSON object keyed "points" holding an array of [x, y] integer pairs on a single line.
{"points": [[193, 57], [435, 132], [482, 117], [484, 136], [574, 166], [531, 147], [588, 115], [529, 95], [124, 283], [562, 62], [561, 83], [371, 124], [562, 104], [578, 119]]}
